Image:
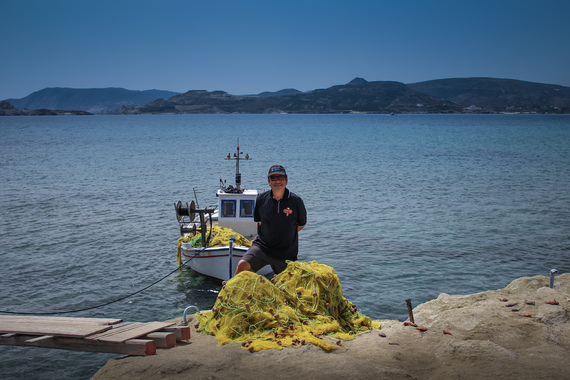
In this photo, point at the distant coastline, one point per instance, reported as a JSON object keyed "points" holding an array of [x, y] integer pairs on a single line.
{"points": [[7, 109], [451, 96]]}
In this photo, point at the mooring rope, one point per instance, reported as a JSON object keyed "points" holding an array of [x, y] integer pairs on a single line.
{"points": [[104, 304]]}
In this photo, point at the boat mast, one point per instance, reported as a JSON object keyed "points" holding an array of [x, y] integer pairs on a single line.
{"points": [[238, 174], [237, 158]]}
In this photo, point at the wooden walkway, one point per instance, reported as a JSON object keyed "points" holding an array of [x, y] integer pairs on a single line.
{"points": [[90, 334]]}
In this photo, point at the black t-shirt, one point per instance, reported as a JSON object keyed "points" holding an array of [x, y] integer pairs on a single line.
{"points": [[277, 235]]}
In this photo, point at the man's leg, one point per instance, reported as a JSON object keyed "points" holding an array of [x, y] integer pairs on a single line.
{"points": [[253, 260]]}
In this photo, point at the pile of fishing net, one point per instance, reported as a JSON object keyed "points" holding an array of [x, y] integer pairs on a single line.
{"points": [[219, 237], [303, 304]]}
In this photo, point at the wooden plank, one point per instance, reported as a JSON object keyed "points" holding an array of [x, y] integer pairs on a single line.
{"points": [[39, 338], [162, 339], [129, 331], [181, 332], [70, 320], [135, 347], [54, 328], [116, 331]]}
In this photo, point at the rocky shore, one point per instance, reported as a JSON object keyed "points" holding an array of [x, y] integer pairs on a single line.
{"points": [[519, 332], [7, 109]]}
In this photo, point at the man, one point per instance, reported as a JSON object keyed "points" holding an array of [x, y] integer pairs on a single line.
{"points": [[280, 215]]}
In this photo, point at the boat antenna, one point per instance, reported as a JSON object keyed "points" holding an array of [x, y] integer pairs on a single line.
{"points": [[237, 158], [195, 197]]}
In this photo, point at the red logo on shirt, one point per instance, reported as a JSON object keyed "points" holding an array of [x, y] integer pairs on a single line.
{"points": [[288, 211]]}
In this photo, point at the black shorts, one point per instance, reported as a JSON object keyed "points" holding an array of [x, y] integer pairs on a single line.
{"points": [[257, 259]]}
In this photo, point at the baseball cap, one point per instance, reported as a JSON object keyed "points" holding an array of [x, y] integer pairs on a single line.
{"points": [[276, 170]]}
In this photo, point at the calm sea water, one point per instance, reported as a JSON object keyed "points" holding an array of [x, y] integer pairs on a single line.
{"points": [[406, 206]]}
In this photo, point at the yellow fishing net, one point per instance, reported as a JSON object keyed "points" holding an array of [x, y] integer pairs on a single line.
{"points": [[303, 304], [220, 238]]}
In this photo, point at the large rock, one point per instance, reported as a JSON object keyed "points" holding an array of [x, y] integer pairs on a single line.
{"points": [[488, 341]]}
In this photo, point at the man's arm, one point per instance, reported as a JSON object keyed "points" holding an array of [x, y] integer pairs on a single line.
{"points": [[302, 216]]}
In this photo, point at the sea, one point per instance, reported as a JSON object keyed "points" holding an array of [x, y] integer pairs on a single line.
{"points": [[401, 206]]}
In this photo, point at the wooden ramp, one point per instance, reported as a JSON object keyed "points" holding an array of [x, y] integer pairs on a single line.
{"points": [[90, 334]]}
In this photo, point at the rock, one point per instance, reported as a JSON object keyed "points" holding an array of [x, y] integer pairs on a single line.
{"points": [[489, 341]]}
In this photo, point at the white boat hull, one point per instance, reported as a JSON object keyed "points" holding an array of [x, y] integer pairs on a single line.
{"points": [[215, 262]]}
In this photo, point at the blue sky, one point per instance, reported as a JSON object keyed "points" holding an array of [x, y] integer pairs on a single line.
{"points": [[250, 46]]}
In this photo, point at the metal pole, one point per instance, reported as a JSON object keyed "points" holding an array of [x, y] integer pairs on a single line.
{"points": [[552, 273], [410, 312], [232, 240], [238, 176]]}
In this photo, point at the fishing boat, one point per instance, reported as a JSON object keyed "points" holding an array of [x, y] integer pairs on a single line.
{"points": [[234, 213]]}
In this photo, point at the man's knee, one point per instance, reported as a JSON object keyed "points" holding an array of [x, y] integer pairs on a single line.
{"points": [[242, 266]]}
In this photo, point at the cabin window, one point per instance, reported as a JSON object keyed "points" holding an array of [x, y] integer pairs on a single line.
{"points": [[228, 209], [246, 209]]}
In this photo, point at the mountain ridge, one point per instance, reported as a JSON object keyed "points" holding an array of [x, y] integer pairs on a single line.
{"points": [[92, 100], [455, 95], [451, 95], [498, 94]]}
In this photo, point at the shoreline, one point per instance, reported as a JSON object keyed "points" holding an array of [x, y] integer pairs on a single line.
{"points": [[484, 338]]}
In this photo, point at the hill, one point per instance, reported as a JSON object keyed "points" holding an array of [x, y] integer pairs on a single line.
{"points": [[357, 96], [287, 91], [462, 95], [455, 95], [93, 100], [360, 96], [7, 109], [499, 95]]}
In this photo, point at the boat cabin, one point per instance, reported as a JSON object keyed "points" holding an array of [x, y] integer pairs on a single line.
{"points": [[235, 211]]}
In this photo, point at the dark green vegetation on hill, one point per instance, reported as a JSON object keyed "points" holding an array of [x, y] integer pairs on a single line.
{"points": [[470, 95], [460, 95], [499, 95]]}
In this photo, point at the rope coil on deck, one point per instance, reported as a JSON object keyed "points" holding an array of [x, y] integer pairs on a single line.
{"points": [[298, 306]]}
